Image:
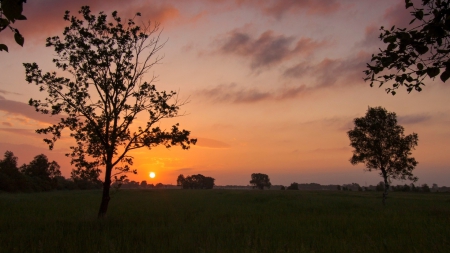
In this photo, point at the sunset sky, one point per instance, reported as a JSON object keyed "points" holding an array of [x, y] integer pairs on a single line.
{"points": [[273, 88]]}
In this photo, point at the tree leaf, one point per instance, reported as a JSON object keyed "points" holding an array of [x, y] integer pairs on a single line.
{"points": [[21, 17], [19, 38], [432, 72], [421, 49], [445, 75], [3, 47], [420, 66], [419, 14], [3, 22]]}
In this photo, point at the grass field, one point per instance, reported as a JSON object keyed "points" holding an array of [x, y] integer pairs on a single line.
{"points": [[225, 221]]}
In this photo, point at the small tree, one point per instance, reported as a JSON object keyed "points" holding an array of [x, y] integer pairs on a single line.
{"points": [[379, 143], [10, 177], [108, 59], [40, 167], [260, 181], [293, 186], [180, 180], [411, 55]]}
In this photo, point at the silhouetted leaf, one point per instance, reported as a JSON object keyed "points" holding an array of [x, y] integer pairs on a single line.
{"points": [[432, 72], [420, 66], [3, 47], [19, 38], [21, 17], [445, 75]]}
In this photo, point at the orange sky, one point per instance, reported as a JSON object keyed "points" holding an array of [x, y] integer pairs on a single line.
{"points": [[273, 85]]}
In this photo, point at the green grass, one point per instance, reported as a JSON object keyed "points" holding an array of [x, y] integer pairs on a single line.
{"points": [[225, 221]]}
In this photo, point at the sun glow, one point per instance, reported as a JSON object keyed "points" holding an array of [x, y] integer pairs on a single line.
{"points": [[152, 174]]}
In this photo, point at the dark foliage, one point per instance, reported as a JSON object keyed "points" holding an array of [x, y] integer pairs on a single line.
{"points": [[108, 60], [379, 143], [414, 54], [293, 186], [195, 182], [260, 181], [10, 12]]}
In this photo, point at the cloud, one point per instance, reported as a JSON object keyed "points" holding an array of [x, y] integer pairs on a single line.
{"points": [[45, 18], [232, 93], [278, 9], [5, 92], [6, 124], [210, 143], [21, 132], [414, 119], [268, 49], [19, 108], [371, 37], [330, 72]]}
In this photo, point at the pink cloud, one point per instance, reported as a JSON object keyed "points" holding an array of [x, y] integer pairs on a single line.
{"points": [[331, 72], [268, 49], [45, 19], [232, 93], [23, 109]]}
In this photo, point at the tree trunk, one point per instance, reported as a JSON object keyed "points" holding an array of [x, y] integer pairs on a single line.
{"points": [[386, 186], [105, 194]]}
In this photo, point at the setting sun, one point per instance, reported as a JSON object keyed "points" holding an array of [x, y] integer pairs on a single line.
{"points": [[152, 174]]}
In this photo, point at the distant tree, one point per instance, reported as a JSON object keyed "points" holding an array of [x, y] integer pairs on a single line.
{"points": [[196, 182], [406, 188], [43, 172], [180, 180], [87, 175], [11, 11], [260, 181], [143, 184], [41, 167], [11, 179], [159, 185], [293, 186], [108, 59], [415, 53], [338, 187], [379, 143], [283, 188], [425, 188], [414, 188], [435, 188]]}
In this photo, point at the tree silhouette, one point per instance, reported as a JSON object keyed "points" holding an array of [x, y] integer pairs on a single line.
{"points": [[108, 60], [379, 143], [10, 11], [293, 186], [413, 54], [260, 180], [10, 176], [195, 182]]}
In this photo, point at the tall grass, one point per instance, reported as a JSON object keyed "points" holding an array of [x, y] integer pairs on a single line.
{"points": [[225, 221]]}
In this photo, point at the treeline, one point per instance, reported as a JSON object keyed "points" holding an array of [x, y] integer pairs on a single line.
{"points": [[42, 175], [195, 182]]}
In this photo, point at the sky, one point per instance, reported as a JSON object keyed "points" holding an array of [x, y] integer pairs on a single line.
{"points": [[273, 87]]}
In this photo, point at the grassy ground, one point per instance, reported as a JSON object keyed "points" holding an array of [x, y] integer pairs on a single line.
{"points": [[225, 221]]}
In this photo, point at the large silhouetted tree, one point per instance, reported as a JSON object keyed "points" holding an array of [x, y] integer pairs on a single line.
{"points": [[413, 54], [379, 143], [107, 59], [260, 181], [10, 11]]}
